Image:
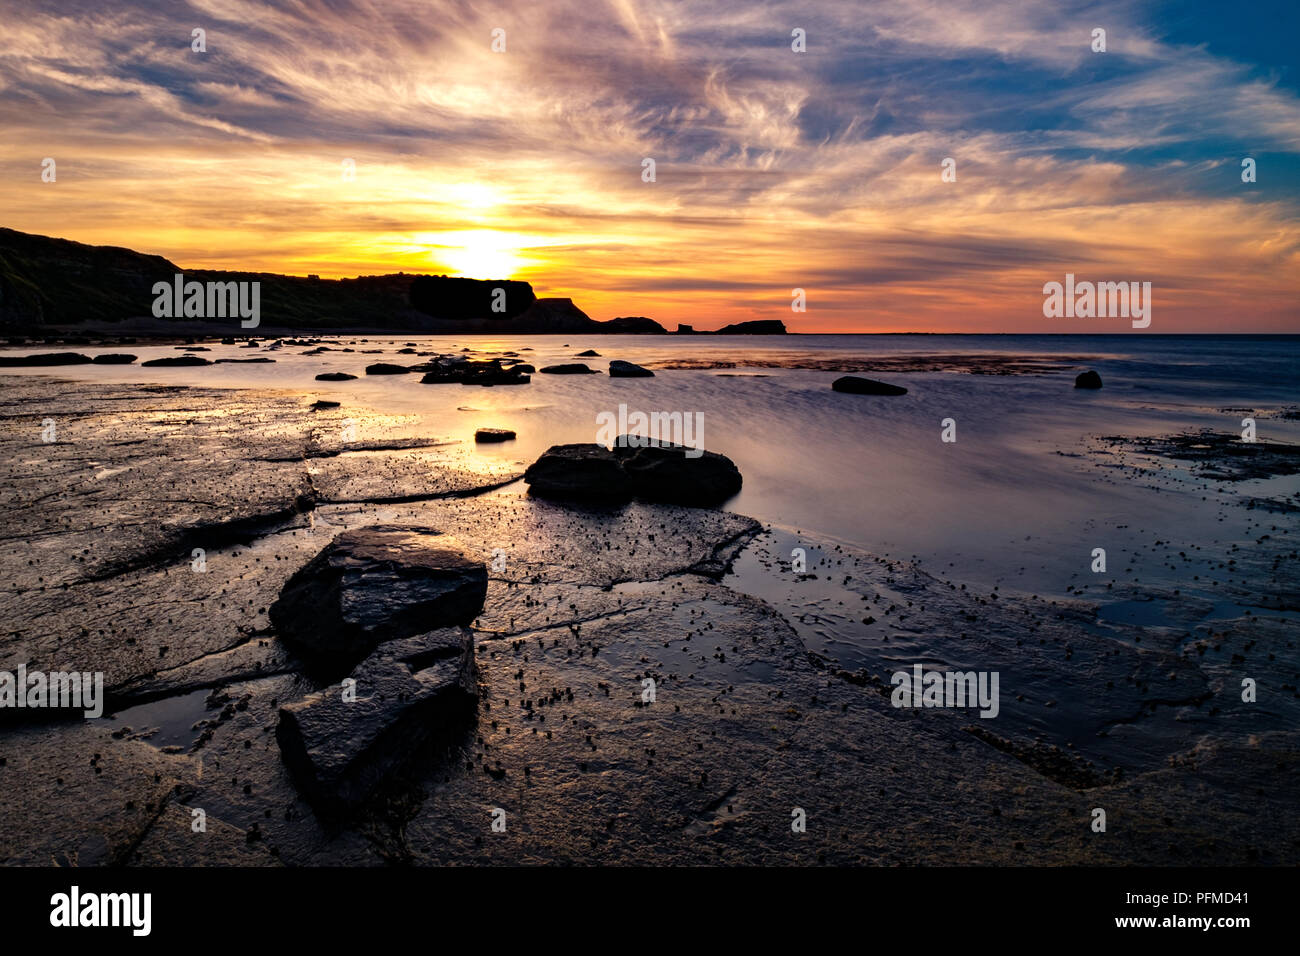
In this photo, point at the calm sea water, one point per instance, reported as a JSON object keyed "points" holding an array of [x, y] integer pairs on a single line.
{"points": [[1019, 500]]}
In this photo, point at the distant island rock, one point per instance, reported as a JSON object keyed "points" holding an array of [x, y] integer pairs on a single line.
{"points": [[756, 327], [633, 325]]}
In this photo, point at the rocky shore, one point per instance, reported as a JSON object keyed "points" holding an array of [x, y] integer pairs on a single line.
{"points": [[174, 539]]}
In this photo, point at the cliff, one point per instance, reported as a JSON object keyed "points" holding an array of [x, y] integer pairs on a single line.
{"points": [[48, 283]]}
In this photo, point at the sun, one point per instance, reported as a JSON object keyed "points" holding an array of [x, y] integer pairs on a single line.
{"points": [[477, 254]]}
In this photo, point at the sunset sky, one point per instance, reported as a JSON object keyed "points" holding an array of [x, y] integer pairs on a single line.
{"points": [[775, 169]]}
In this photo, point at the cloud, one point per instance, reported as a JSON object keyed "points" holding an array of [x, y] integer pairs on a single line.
{"points": [[818, 169]]}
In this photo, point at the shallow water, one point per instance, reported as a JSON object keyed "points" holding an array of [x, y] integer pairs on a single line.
{"points": [[1020, 500]]}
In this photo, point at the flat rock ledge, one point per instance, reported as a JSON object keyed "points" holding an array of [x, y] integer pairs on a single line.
{"points": [[342, 742]]}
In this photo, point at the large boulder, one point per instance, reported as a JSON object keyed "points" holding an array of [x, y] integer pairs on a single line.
{"points": [[113, 358], [386, 368], [334, 377], [587, 472], [620, 369], [856, 385], [490, 435], [1088, 379], [675, 474], [660, 472], [341, 742], [375, 584]]}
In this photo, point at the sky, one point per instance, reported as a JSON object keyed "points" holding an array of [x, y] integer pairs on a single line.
{"points": [[774, 170]]}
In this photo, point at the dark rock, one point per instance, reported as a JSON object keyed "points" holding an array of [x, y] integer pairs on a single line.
{"points": [[173, 361], [1088, 379], [113, 358], [493, 435], [384, 368], [686, 329], [525, 368], [322, 403], [633, 325], [375, 584], [590, 353], [334, 377], [573, 368], [45, 358], [620, 369], [677, 475], [664, 472], [757, 327], [407, 691], [260, 360], [491, 372], [856, 385], [587, 472]]}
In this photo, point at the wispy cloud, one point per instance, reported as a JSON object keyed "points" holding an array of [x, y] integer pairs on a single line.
{"points": [[774, 169]]}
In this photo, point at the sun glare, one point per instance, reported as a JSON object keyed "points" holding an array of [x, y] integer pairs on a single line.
{"points": [[481, 254]]}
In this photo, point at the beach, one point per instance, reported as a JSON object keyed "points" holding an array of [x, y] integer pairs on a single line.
{"points": [[953, 528]]}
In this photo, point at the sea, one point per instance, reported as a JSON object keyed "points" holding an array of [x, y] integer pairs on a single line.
{"points": [[992, 469]]}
